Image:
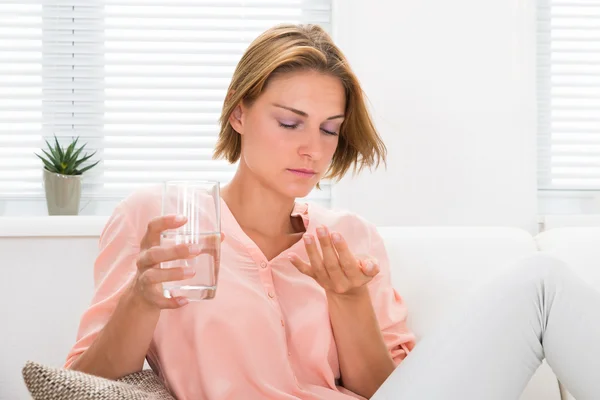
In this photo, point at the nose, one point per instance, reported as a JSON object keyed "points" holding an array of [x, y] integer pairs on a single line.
{"points": [[311, 145]]}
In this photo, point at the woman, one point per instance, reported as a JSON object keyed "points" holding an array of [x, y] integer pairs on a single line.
{"points": [[305, 308]]}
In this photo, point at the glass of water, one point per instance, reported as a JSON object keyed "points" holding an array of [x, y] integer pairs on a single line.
{"points": [[199, 202]]}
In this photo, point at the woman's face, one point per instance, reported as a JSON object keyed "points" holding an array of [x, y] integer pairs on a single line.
{"points": [[290, 133]]}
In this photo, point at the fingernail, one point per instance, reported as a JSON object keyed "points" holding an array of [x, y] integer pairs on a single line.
{"points": [[369, 266], [180, 218], [195, 249], [336, 237], [189, 272], [182, 301], [307, 239], [321, 232]]}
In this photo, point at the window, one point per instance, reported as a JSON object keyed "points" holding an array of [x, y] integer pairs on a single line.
{"points": [[569, 106], [140, 81]]}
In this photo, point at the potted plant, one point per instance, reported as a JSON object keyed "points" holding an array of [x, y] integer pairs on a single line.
{"points": [[63, 169]]}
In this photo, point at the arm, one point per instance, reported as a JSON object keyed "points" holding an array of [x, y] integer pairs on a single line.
{"points": [[365, 362], [121, 346], [116, 331], [367, 315]]}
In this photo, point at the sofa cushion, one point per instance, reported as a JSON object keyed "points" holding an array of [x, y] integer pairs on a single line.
{"points": [[433, 267], [47, 383], [577, 246], [580, 248]]}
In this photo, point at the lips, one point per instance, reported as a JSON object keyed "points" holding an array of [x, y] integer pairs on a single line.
{"points": [[306, 173]]}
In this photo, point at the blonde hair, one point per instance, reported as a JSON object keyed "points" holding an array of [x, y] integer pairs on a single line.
{"points": [[288, 48]]}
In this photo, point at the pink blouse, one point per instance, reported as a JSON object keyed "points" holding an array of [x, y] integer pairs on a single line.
{"points": [[266, 334]]}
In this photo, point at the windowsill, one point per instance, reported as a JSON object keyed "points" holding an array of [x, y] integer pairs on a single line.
{"points": [[52, 226], [553, 221]]}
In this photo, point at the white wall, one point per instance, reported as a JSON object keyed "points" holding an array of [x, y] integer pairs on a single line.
{"points": [[452, 86], [47, 284]]}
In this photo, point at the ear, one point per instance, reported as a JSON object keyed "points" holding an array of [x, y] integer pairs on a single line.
{"points": [[236, 119]]}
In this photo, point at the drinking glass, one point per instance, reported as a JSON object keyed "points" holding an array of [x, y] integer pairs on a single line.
{"points": [[199, 201]]}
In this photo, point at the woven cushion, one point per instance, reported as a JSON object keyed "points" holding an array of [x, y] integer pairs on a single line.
{"points": [[47, 383]]}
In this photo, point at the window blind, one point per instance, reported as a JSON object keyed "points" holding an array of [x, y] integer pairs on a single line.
{"points": [[141, 82], [569, 95]]}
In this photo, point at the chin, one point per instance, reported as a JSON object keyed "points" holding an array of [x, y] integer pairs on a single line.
{"points": [[297, 191]]}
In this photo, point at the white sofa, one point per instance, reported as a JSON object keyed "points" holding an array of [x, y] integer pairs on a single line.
{"points": [[47, 281]]}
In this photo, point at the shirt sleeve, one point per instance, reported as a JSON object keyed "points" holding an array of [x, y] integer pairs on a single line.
{"points": [[114, 269], [388, 304]]}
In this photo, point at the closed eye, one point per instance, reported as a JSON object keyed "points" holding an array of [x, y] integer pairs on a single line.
{"points": [[288, 126], [294, 126]]}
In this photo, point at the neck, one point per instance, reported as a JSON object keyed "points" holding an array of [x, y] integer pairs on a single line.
{"points": [[258, 208]]}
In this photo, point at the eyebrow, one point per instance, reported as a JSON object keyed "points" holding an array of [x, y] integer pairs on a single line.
{"points": [[302, 113]]}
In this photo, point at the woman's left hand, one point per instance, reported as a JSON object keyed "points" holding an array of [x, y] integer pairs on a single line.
{"points": [[335, 268]]}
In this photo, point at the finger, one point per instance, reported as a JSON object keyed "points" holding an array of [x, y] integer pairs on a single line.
{"points": [[314, 257], [172, 303], [348, 261], [158, 225], [330, 257], [302, 266], [163, 302], [158, 254], [369, 267], [155, 276]]}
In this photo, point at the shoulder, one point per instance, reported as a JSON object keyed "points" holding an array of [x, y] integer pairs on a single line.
{"points": [[147, 199], [137, 209]]}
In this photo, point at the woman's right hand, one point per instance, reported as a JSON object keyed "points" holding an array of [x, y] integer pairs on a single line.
{"points": [[147, 284], [122, 345]]}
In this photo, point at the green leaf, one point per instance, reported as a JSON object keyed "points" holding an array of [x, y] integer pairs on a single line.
{"points": [[75, 162], [70, 150], [53, 161], [50, 157], [72, 169], [66, 160], [41, 158], [74, 156], [47, 163], [55, 156], [84, 159], [88, 167], [59, 149]]}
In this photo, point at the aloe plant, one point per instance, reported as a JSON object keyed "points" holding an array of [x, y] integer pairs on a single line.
{"points": [[66, 161]]}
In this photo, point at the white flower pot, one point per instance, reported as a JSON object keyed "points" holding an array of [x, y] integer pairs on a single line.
{"points": [[63, 193]]}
